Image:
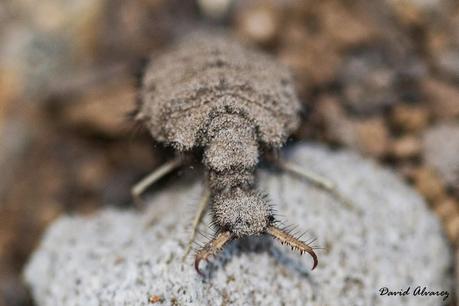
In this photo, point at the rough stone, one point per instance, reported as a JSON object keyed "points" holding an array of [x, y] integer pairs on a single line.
{"points": [[429, 184], [406, 147], [441, 145], [258, 21], [443, 99], [102, 110], [409, 118], [390, 239], [374, 78]]}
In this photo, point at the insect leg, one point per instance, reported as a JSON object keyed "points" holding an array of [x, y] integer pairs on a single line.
{"points": [[202, 208], [315, 179], [154, 176]]}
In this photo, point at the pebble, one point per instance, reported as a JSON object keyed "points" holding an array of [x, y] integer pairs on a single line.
{"points": [[442, 98], [258, 22], [429, 184], [406, 147], [409, 118], [440, 151]]}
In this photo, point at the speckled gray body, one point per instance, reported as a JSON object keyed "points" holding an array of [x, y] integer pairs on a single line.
{"points": [[206, 75], [208, 91]]}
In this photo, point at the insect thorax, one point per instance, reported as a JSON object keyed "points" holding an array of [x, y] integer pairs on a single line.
{"points": [[231, 143], [231, 156]]}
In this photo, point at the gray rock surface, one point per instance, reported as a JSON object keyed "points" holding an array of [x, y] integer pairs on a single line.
{"points": [[123, 257], [440, 149]]}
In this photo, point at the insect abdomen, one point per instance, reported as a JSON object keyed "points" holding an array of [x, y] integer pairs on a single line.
{"points": [[206, 73]]}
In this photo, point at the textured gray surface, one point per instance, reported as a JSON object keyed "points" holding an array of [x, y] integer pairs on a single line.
{"points": [[121, 258], [441, 147]]}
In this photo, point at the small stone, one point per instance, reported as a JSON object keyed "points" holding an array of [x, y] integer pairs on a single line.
{"points": [[48, 43], [371, 78], [448, 61], [347, 25], [103, 110], [34, 60], [442, 97], [338, 127], [16, 137], [303, 59], [9, 91], [302, 54], [419, 11], [406, 12], [369, 136], [429, 184], [442, 40], [313, 37], [372, 136], [258, 23], [406, 147], [56, 15], [92, 172], [452, 229], [215, 9], [440, 151], [409, 118], [446, 209], [154, 299]]}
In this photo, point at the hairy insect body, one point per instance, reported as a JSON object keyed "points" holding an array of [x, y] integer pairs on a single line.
{"points": [[209, 92], [206, 76], [231, 156]]}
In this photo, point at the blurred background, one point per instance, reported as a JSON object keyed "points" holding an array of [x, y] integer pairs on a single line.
{"points": [[379, 77]]}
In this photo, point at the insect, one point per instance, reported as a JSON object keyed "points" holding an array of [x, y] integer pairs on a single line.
{"points": [[210, 93]]}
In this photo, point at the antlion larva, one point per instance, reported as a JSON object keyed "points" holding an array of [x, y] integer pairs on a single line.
{"points": [[209, 93]]}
